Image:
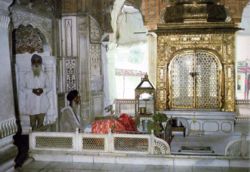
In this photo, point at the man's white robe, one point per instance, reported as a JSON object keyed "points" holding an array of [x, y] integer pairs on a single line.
{"points": [[69, 121], [36, 104]]}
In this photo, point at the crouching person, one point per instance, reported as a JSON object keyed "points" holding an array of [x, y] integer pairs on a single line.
{"points": [[70, 117]]}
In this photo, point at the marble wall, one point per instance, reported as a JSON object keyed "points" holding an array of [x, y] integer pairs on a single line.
{"points": [[28, 17], [33, 32], [81, 62], [7, 111], [6, 93]]}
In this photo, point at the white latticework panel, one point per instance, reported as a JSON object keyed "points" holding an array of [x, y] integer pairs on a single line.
{"points": [[194, 80], [89, 143], [70, 70], [207, 90], [100, 143], [54, 142], [182, 82], [131, 144]]}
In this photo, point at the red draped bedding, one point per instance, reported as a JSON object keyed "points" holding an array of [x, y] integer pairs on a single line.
{"points": [[123, 124]]}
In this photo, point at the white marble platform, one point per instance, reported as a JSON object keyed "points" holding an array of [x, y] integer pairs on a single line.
{"points": [[217, 142], [205, 122], [133, 159], [102, 167]]}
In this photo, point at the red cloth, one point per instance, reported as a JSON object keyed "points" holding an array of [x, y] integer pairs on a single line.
{"points": [[128, 122], [103, 126], [122, 124]]}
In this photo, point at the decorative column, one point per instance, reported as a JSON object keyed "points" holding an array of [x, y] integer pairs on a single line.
{"points": [[95, 64], [84, 61], [229, 72], [105, 70], [152, 53], [7, 113]]}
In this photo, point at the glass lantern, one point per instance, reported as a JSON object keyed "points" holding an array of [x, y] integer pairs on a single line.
{"points": [[145, 97]]}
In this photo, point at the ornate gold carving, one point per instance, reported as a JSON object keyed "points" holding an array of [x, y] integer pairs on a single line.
{"points": [[220, 44]]}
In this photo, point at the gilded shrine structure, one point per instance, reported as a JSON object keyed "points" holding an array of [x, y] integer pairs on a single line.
{"points": [[195, 66]]}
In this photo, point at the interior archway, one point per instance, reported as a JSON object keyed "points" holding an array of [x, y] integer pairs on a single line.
{"points": [[127, 54]]}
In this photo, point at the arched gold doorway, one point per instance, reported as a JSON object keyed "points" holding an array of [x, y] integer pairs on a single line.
{"points": [[195, 80]]}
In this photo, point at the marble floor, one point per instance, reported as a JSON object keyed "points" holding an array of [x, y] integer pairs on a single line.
{"points": [[88, 167], [216, 142]]}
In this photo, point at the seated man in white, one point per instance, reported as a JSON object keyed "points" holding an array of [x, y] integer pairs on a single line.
{"points": [[70, 117]]}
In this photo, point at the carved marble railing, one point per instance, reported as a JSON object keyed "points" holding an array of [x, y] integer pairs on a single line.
{"points": [[160, 146], [8, 127], [109, 143], [125, 106], [243, 110], [239, 147], [242, 102]]}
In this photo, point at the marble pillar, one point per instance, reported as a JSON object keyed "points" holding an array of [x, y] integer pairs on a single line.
{"points": [[84, 76], [106, 92], [7, 113]]}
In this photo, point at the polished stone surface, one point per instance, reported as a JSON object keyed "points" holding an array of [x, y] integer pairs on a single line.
{"points": [[205, 122], [217, 143], [89, 167]]}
